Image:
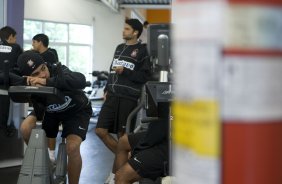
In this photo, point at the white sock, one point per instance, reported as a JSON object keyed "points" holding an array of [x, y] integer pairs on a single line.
{"points": [[110, 178], [52, 155], [112, 175]]}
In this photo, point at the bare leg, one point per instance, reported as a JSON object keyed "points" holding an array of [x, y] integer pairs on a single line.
{"points": [[120, 134], [107, 138], [126, 175], [52, 143], [74, 158], [123, 149], [52, 147], [26, 127]]}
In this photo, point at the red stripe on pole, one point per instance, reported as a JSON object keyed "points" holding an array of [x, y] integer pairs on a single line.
{"points": [[253, 52], [250, 2], [252, 153], [257, 2]]}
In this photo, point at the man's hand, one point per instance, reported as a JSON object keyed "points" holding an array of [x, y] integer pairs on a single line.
{"points": [[35, 81], [118, 69]]}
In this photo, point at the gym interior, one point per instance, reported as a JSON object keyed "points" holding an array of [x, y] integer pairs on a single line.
{"points": [[216, 67]]}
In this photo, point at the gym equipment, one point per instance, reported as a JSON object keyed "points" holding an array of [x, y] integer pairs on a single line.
{"points": [[61, 164], [36, 167], [9, 127], [156, 96], [98, 85], [10, 121], [161, 92], [154, 30], [95, 91]]}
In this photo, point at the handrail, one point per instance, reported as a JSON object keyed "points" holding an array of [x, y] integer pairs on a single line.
{"points": [[22, 94], [136, 109]]}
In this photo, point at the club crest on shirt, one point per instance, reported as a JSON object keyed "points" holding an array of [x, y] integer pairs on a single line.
{"points": [[30, 63], [134, 53]]}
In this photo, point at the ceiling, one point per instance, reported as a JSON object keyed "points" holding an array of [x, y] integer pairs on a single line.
{"points": [[115, 5], [146, 4]]}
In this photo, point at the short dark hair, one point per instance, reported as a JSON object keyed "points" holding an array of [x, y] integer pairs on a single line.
{"points": [[145, 23], [136, 25], [6, 31], [42, 38]]}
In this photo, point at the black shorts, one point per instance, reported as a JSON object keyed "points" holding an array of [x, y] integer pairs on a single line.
{"points": [[74, 123], [114, 113], [134, 138], [149, 163]]}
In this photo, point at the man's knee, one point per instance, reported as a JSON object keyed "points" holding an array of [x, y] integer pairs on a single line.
{"points": [[27, 125], [120, 176], [126, 174], [73, 145], [72, 149], [123, 143]]}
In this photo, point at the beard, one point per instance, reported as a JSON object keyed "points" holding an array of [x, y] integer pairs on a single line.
{"points": [[128, 37]]}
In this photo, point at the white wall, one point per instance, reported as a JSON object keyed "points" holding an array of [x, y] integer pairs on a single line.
{"points": [[108, 24], [2, 13]]}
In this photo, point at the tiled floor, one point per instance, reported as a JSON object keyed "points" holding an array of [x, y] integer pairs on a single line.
{"points": [[97, 161]]}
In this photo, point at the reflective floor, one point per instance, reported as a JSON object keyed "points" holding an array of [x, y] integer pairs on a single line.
{"points": [[97, 161]]}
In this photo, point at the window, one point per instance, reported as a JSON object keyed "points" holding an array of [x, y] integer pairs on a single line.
{"points": [[73, 42]]}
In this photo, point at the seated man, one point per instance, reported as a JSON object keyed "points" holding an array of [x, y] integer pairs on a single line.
{"points": [[149, 155], [40, 44], [74, 113]]}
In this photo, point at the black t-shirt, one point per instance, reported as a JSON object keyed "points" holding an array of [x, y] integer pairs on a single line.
{"points": [[49, 57], [54, 52], [136, 72], [9, 52]]}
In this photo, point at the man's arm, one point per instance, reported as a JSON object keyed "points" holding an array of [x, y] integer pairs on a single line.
{"points": [[68, 80], [140, 76], [14, 80]]}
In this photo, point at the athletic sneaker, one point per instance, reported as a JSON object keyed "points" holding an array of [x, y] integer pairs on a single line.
{"points": [[52, 156], [110, 179], [168, 179]]}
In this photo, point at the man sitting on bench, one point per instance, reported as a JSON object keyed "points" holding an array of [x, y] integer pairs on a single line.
{"points": [[149, 154], [74, 113]]}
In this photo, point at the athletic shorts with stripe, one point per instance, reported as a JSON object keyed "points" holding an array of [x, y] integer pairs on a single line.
{"points": [[148, 163]]}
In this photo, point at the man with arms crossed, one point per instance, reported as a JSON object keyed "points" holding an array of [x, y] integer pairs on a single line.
{"points": [[129, 71]]}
